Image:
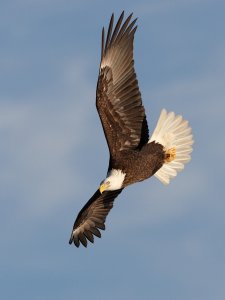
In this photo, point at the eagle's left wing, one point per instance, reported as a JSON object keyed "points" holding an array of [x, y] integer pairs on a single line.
{"points": [[118, 98]]}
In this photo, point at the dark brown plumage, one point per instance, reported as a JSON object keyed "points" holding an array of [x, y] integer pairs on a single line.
{"points": [[139, 164], [118, 98], [92, 217], [133, 156], [123, 118]]}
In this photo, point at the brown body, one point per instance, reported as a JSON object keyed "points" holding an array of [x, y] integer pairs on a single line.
{"points": [[138, 164]]}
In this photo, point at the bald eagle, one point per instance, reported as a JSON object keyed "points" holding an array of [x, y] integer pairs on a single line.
{"points": [[134, 156]]}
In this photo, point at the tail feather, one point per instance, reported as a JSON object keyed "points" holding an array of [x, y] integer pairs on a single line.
{"points": [[173, 132]]}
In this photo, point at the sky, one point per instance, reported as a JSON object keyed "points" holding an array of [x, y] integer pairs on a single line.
{"points": [[160, 242]]}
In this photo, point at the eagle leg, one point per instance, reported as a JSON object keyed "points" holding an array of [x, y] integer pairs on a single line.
{"points": [[170, 155]]}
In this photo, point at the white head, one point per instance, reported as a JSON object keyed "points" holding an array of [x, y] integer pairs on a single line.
{"points": [[114, 181]]}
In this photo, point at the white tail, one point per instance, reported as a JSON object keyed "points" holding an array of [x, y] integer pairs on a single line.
{"points": [[173, 132]]}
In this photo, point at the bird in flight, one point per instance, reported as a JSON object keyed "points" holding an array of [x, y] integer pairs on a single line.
{"points": [[134, 156]]}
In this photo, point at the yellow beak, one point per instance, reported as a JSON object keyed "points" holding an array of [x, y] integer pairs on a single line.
{"points": [[103, 187]]}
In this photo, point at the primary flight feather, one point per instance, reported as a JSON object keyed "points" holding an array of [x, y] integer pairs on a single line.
{"points": [[133, 156]]}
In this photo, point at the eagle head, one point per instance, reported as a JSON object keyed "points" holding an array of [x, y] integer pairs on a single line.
{"points": [[114, 181]]}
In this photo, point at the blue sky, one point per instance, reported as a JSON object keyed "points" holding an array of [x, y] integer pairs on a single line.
{"points": [[161, 242]]}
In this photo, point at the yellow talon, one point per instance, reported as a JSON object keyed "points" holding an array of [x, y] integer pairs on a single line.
{"points": [[170, 155]]}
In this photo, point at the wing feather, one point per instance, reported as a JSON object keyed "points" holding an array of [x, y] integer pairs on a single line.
{"points": [[92, 217], [118, 98]]}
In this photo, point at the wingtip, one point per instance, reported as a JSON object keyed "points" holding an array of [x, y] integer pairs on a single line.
{"points": [[71, 239], [74, 240], [130, 15]]}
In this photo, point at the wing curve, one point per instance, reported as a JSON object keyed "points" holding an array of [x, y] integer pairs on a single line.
{"points": [[118, 99], [92, 217]]}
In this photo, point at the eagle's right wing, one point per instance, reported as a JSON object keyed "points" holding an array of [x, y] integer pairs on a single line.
{"points": [[92, 217]]}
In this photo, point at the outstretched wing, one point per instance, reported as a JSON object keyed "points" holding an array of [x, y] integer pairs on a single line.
{"points": [[92, 217], [118, 98]]}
